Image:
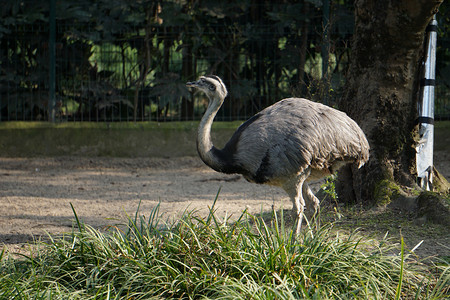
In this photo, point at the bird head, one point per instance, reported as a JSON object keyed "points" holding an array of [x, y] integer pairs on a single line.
{"points": [[211, 85]]}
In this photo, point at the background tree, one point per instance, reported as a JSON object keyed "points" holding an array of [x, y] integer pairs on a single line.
{"points": [[381, 92]]}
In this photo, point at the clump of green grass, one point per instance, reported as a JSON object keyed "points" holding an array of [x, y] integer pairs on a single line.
{"points": [[204, 257]]}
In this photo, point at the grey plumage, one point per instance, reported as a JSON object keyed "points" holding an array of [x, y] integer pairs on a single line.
{"points": [[286, 144]]}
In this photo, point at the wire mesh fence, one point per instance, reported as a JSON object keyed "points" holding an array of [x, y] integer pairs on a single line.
{"points": [[122, 61]]}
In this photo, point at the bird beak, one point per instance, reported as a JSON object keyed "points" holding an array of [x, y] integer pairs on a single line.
{"points": [[192, 84]]}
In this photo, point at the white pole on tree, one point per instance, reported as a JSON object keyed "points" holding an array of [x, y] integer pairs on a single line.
{"points": [[424, 156]]}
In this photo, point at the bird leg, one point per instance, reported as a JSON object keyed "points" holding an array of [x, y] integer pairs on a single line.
{"points": [[294, 188], [299, 206], [311, 201]]}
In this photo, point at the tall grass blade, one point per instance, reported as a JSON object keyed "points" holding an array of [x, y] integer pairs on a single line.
{"points": [[402, 262], [211, 210], [79, 224]]}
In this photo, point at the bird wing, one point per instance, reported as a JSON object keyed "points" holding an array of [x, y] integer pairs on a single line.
{"points": [[291, 135]]}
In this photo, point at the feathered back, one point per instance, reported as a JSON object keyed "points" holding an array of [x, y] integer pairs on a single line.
{"points": [[293, 134]]}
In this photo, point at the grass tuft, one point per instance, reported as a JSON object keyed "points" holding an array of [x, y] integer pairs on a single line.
{"points": [[211, 258]]}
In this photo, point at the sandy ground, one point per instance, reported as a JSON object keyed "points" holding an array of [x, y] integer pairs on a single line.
{"points": [[36, 193]]}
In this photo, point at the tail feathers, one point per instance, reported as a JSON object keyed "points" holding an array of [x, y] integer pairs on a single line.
{"points": [[364, 154]]}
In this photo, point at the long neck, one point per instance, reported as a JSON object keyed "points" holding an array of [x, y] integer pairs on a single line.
{"points": [[206, 150]]}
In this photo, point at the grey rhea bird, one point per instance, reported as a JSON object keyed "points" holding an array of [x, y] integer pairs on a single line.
{"points": [[285, 145]]}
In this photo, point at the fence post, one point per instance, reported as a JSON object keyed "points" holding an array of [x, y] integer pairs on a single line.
{"points": [[52, 62], [424, 156]]}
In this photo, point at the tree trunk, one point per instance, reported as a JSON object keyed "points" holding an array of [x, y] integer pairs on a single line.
{"points": [[381, 91]]}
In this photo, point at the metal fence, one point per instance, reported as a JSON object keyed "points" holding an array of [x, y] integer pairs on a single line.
{"points": [[117, 68]]}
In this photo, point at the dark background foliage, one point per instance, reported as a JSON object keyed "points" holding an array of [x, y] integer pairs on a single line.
{"points": [[119, 60]]}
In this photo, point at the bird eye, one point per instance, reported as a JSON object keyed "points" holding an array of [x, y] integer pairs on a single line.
{"points": [[212, 87]]}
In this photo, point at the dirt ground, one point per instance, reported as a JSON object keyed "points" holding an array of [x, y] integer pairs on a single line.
{"points": [[36, 193]]}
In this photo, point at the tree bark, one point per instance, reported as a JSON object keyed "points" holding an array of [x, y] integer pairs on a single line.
{"points": [[382, 87]]}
